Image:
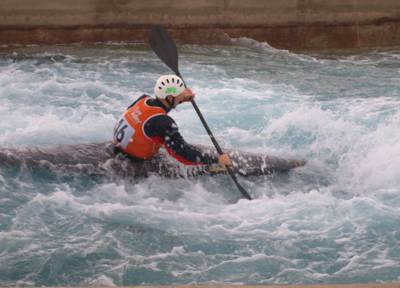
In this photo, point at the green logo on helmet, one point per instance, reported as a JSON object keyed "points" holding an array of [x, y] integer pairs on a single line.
{"points": [[170, 90]]}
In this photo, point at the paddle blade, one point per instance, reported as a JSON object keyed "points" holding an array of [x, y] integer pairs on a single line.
{"points": [[164, 47]]}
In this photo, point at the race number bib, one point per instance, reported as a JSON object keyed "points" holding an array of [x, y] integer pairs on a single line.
{"points": [[123, 133]]}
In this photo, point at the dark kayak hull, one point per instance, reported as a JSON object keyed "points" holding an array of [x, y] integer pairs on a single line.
{"points": [[100, 159]]}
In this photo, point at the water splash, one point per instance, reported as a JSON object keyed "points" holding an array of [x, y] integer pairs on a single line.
{"points": [[333, 221]]}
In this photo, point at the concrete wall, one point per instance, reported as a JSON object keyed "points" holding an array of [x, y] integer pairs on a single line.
{"points": [[292, 24]]}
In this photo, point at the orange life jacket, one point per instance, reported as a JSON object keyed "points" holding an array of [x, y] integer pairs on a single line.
{"points": [[129, 135]]}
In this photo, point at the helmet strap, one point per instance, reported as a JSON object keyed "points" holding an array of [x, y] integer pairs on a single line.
{"points": [[171, 103]]}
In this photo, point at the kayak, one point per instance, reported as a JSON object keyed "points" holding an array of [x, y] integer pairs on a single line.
{"points": [[100, 159]]}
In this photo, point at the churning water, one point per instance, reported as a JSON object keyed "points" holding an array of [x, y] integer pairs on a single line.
{"points": [[335, 220]]}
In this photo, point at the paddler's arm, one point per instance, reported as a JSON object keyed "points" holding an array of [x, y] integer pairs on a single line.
{"points": [[163, 129]]}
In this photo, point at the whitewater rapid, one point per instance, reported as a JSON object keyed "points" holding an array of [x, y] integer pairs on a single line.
{"points": [[336, 220]]}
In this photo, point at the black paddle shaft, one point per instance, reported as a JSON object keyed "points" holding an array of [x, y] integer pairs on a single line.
{"points": [[165, 49], [206, 127], [219, 150]]}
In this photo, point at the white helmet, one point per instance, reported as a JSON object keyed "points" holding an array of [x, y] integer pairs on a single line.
{"points": [[168, 85]]}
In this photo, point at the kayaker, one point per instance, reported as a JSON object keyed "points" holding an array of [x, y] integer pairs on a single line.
{"points": [[145, 126]]}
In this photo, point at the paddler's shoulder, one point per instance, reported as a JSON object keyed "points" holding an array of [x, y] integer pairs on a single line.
{"points": [[137, 100], [155, 102], [150, 101]]}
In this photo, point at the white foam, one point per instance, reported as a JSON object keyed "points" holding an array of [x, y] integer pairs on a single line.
{"points": [[264, 46], [335, 217], [102, 281]]}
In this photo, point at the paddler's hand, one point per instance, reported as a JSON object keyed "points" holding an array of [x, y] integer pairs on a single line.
{"points": [[186, 96], [224, 160]]}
